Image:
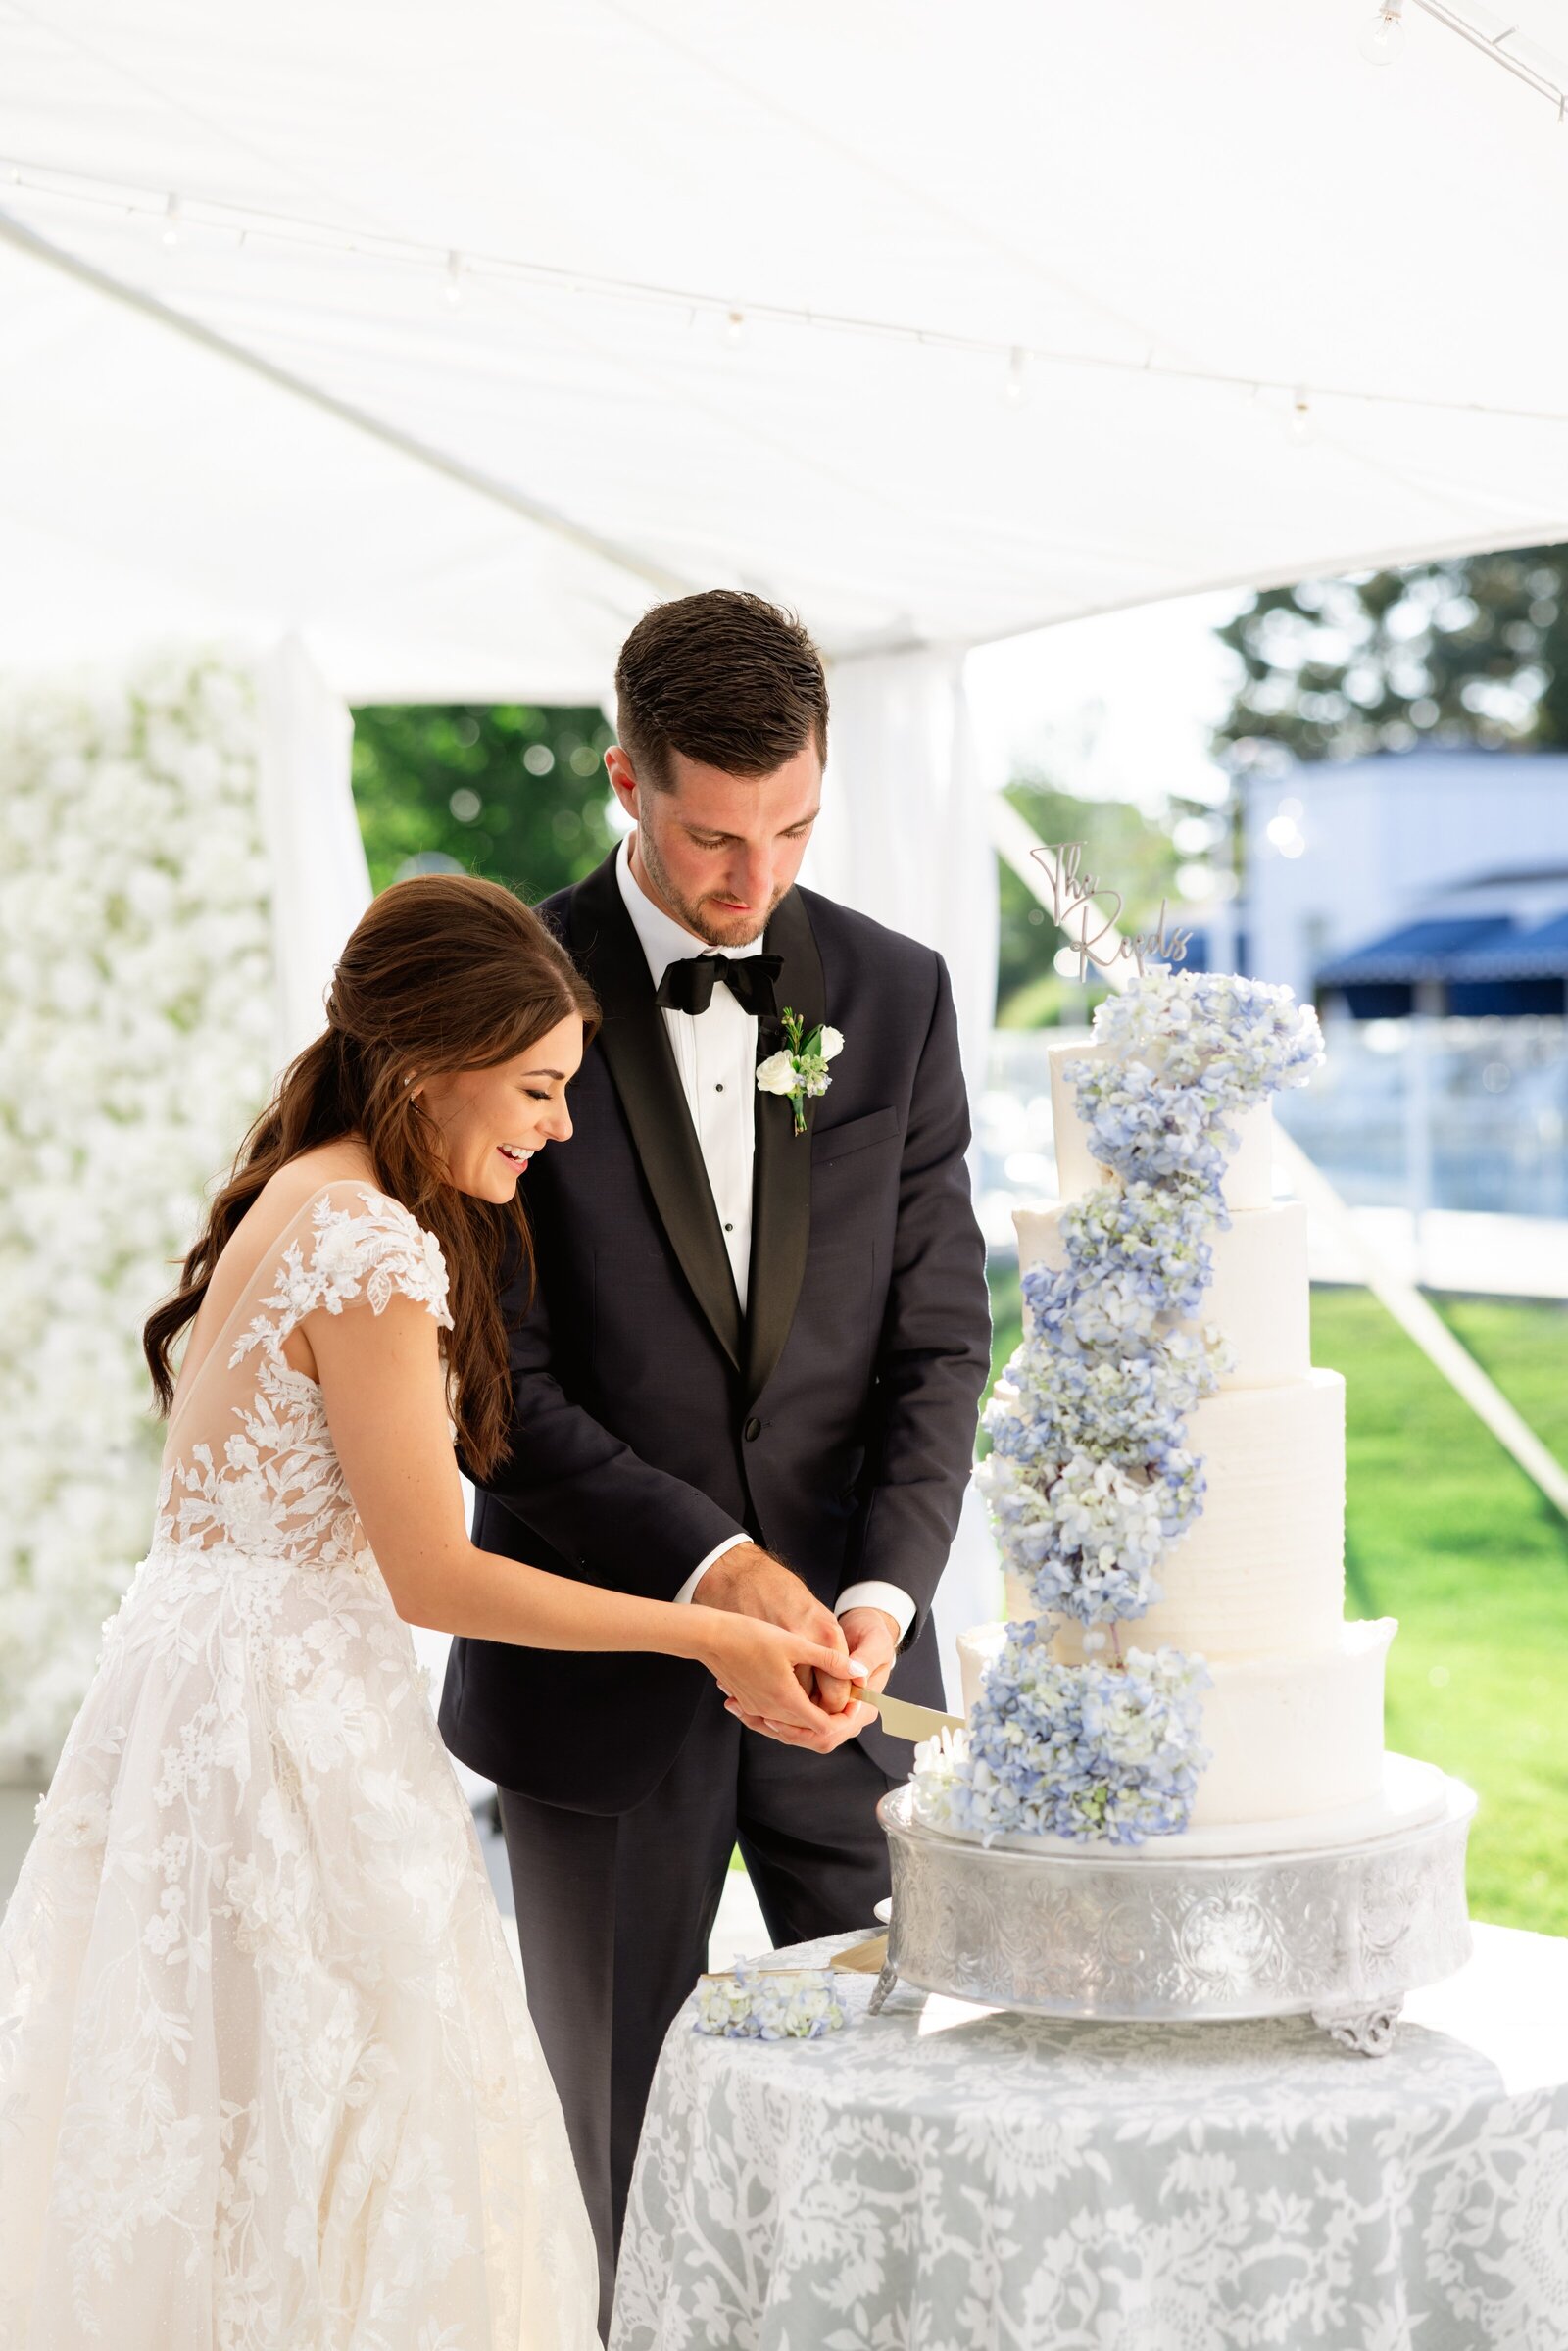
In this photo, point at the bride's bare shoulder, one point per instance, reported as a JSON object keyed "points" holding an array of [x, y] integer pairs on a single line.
{"points": [[250, 1253], [300, 1179], [291, 1188]]}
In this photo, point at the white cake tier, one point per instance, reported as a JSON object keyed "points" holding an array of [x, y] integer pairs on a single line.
{"points": [[1257, 1297], [1262, 1572], [1289, 1736], [1248, 1178], [1297, 1733]]}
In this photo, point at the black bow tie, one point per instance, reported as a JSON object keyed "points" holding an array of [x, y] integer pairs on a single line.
{"points": [[688, 986]]}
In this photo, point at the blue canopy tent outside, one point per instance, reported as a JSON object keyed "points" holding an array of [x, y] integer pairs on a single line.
{"points": [[1379, 980], [1527, 972], [1479, 963]]}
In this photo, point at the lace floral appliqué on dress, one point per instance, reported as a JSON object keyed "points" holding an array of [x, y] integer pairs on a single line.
{"points": [[279, 1488], [267, 2078]]}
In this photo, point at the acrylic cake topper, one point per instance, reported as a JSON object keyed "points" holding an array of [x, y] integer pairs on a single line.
{"points": [[1073, 893]]}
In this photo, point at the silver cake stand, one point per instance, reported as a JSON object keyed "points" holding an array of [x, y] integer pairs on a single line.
{"points": [[1339, 1933]]}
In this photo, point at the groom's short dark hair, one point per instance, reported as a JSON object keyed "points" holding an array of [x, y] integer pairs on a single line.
{"points": [[724, 678]]}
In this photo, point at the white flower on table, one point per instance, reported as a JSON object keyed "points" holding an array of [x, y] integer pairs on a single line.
{"points": [[755, 2003]]}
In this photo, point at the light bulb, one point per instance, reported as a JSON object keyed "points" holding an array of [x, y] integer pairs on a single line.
{"points": [[1300, 420], [735, 331], [454, 284], [1015, 390], [1383, 38], [172, 222]]}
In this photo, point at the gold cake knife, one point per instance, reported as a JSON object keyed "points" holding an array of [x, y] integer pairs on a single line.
{"points": [[901, 1720]]}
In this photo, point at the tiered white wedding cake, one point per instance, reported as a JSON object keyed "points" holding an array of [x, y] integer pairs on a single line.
{"points": [[1167, 1475]]}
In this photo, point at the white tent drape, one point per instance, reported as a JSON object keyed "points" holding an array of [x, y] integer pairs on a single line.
{"points": [[898, 839], [320, 883]]}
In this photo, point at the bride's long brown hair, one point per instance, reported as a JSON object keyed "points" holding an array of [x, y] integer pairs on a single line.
{"points": [[443, 972]]}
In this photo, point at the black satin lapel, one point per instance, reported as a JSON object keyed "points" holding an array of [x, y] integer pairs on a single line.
{"points": [[635, 1044], [781, 1188]]}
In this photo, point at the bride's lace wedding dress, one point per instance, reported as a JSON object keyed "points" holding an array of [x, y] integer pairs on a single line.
{"points": [[267, 2078]]}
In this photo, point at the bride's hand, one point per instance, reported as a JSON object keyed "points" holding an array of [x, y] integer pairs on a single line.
{"points": [[759, 1666]]}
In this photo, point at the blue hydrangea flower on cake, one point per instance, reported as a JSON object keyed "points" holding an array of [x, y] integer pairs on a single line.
{"points": [[1091, 1750], [1078, 1731]]}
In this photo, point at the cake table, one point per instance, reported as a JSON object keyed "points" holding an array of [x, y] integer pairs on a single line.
{"points": [[943, 2177]]}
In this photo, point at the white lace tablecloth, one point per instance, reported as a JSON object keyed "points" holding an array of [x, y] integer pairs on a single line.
{"points": [[951, 2179]]}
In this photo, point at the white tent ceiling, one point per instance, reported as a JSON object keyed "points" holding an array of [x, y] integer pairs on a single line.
{"points": [[1162, 205]]}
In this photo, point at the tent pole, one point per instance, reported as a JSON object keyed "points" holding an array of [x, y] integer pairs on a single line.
{"points": [[361, 420], [1415, 1314]]}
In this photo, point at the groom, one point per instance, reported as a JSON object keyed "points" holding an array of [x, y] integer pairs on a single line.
{"points": [[749, 1375]]}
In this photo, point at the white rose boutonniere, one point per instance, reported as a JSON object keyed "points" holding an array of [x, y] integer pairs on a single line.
{"points": [[801, 1067]]}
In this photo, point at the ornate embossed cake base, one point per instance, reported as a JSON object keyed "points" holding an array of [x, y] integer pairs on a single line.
{"points": [[1339, 1933]]}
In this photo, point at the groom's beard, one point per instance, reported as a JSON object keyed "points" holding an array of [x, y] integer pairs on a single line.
{"points": [[703, 915]]}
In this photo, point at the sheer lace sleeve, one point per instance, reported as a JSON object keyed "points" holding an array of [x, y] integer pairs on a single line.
{"points": [[250, 1461], [349, 1245]]}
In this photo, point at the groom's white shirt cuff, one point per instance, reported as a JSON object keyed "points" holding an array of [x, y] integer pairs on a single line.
{"points": [[870, 1595], [731, 1543], [886, 1597]]}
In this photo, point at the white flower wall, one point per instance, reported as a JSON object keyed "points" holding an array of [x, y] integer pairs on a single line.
{"points": [[138, 1029]]}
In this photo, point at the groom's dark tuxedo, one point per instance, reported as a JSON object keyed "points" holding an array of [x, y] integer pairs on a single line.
{"points": [[833, 1420]]}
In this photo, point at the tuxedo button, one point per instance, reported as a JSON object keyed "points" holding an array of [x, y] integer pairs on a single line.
{"points": [[753, 1428]]}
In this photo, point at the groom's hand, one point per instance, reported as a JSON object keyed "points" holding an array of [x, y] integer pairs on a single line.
{"points": [[751, 1582], [873, 1639]]}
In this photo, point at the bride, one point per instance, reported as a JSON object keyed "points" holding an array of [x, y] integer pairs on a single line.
{"points": [[268, 2077]]}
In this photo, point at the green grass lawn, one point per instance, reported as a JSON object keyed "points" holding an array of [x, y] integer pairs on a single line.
{"points": [[1446, 1534]]}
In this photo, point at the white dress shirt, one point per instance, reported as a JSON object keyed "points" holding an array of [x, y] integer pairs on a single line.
{"points": [[715, 1054]]}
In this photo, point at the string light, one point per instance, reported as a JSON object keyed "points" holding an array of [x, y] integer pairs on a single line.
{"points": [[1383, 39], [1301, 419], [250, 224]]}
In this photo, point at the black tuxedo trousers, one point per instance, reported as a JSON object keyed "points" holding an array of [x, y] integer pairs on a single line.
{"points": [[833, 1421]]}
